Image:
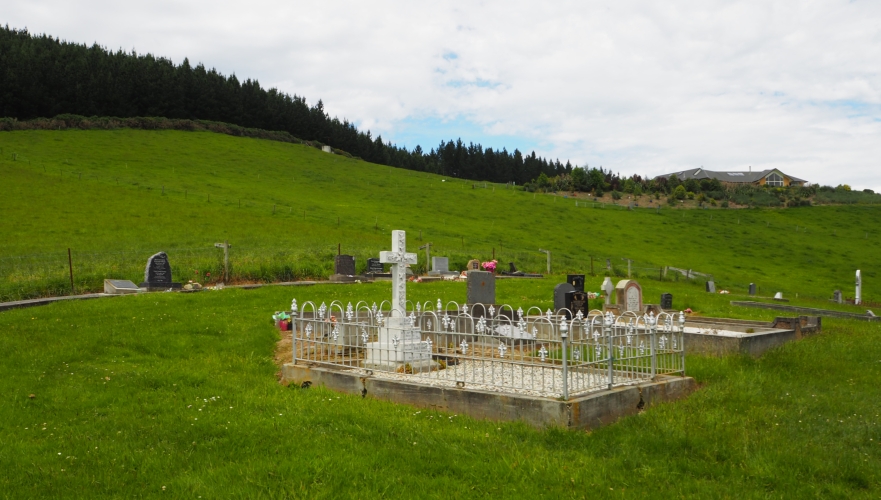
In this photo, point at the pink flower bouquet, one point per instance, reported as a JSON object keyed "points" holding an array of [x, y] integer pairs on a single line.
{"points": [[490, 266]]}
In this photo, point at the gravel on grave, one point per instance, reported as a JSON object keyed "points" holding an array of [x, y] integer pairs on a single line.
{"points": [[528, 380]]}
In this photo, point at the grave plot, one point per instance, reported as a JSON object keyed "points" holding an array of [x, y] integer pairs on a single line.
{"points": [[488, 360], [499, 350]]}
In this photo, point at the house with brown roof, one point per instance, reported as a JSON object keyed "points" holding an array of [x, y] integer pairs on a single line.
{"points": [[771, 177]]}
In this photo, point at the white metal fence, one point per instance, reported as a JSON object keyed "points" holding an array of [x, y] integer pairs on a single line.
{"points": [[543, 354]]}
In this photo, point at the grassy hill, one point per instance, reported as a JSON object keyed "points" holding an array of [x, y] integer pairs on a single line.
{"points": [[176, 394], [115, 197]]}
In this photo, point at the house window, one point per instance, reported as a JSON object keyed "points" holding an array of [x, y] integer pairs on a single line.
{"points": [[774, 180]]}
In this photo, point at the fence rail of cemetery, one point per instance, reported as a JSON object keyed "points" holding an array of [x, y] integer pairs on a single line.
{"points": [[530, 352]]}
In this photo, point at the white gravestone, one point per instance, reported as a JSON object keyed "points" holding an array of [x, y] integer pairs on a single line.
{"points": [[629, 296], [400, 343], [607, 289], [859, 296]]}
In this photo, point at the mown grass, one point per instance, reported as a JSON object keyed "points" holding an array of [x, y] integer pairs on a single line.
{"points": [[176, 395], [115, 197]]}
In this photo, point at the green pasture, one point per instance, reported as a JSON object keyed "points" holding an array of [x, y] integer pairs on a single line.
{"points": [[115, 197], [175, 395]]}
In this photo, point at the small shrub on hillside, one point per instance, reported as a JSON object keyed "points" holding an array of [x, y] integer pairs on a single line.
{"points": [[725, 204], [616, 195]]}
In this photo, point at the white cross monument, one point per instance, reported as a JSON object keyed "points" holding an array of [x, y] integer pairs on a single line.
{"points": [[399, 343], [399, 258]]}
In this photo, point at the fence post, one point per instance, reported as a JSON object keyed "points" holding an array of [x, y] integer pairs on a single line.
{"points": [[70, 266], [682, 340], [653, 342], [607, 327], [294, 329], [564, 334]]}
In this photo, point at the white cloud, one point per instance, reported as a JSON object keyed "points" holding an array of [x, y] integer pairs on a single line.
{"points": [[639, 87]]}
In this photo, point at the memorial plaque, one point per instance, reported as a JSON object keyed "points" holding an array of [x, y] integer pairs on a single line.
{"points": [[576, 280]]}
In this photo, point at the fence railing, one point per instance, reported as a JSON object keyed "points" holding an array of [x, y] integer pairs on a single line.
{"points": [[546, 354]]}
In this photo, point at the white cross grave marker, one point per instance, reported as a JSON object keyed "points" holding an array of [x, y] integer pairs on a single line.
{"points": [[399, 258]]}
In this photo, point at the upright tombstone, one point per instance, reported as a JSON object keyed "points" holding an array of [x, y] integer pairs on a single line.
{"points": [[752, 288], [858, 298], [560, 292], [629, 295], [374, 266], [666, 301], [343, 268], [157, 275], [481, 288], [576, 302], [473, 265], [440, 266], [836, 297], [608, 289], [576, 280], [711, 286]]}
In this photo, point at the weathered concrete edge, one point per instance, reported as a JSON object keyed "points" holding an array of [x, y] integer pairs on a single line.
{"points": [[586, 412], [21, 304], [807, 310]]}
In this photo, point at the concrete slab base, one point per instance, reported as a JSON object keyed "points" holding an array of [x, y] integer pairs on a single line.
{"points": [[584, 412], [753, 338]]}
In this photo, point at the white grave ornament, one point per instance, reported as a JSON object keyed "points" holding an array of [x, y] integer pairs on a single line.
{"points": [[859, 296]]}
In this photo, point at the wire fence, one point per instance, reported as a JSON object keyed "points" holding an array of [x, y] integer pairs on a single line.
{"points": [[59, 273]]}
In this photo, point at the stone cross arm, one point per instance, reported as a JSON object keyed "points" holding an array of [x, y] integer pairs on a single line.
{"points": [[399, 257]]}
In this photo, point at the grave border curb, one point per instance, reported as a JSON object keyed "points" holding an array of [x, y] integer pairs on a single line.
{"points": [[581, 413]]}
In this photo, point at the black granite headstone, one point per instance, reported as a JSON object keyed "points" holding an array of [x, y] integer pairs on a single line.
{"points": [[158, 273], [577, 301], [666, 301], [576, 280], [560, 292], [374, 266], [344, 264]]}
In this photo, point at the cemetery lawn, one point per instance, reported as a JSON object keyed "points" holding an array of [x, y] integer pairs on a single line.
{"points": [[115, 197], [175, 395]]}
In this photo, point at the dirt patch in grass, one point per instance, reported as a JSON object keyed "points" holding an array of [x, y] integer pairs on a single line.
{"points": [[284, 350]]}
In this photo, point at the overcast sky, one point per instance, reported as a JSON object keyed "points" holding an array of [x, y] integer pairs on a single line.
{"points": [[639, 87]]}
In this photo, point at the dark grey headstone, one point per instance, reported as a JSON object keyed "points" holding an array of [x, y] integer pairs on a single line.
{"points": [[836, 297], [560, 292], [711, 286], [576, 280], [374, 266], [577, 301], [752, 288], [344, 264], [666, 301], [481, 287], [158, 272]]}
